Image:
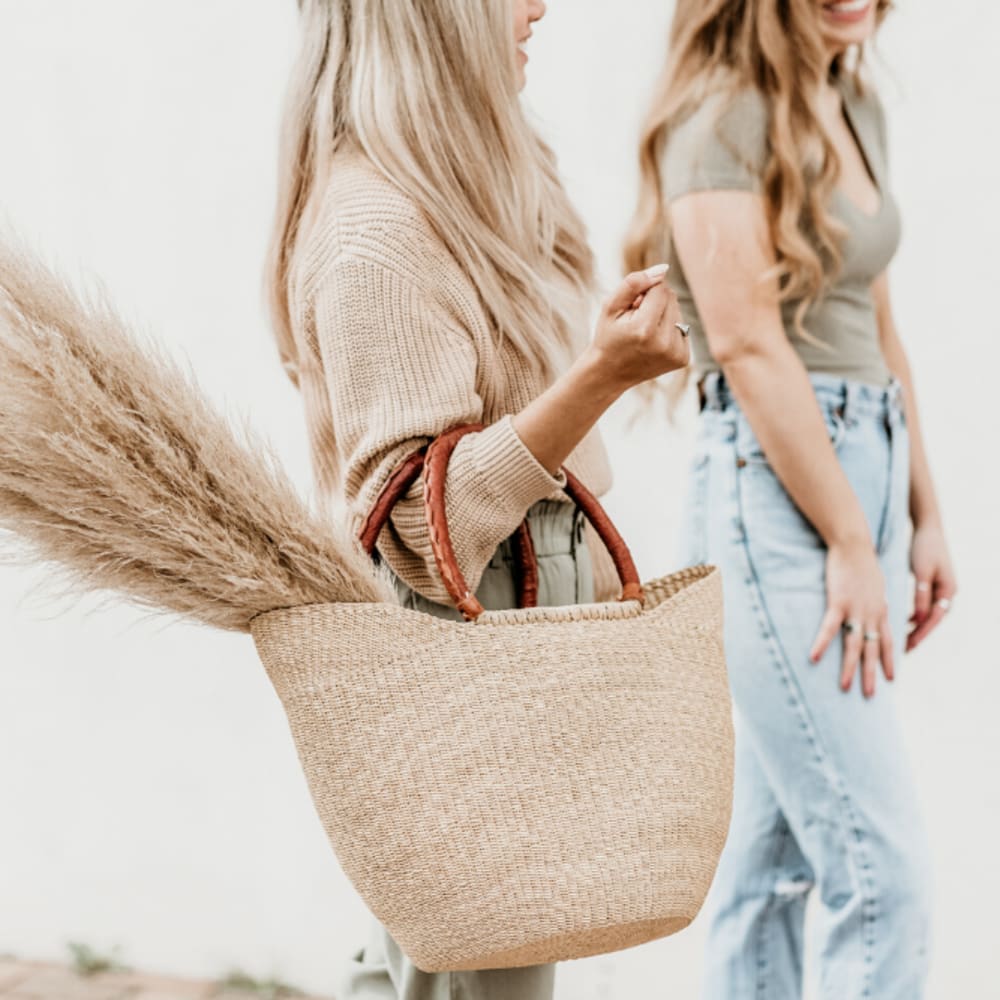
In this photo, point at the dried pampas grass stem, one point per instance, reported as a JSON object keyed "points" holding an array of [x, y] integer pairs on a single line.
{"points": [[115, 467]]}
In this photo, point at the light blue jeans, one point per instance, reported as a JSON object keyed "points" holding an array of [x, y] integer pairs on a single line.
{"points": [[824, 801], [381, 970]]}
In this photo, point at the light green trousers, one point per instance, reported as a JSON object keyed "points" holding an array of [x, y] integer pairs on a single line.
{"points": [[381, 970]]}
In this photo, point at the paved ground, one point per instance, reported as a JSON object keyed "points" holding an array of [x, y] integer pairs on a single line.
{"points": [[40, 981]]}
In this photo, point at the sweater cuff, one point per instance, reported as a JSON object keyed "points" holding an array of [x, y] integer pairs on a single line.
{"points": [[510, 470]]}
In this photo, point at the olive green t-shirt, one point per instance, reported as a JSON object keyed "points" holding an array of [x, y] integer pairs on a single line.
{"points": [[724, 145]]}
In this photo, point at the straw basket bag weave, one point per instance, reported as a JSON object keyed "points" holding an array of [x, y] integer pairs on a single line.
{"points": [[527, 786]]}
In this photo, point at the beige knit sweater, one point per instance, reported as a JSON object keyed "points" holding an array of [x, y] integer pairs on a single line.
{"points": [[395, 347]]}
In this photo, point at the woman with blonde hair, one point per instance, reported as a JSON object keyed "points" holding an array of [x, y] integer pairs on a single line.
{"points": [[764, 180], [428, 271]]}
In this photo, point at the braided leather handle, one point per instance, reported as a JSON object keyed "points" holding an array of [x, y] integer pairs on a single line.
{"points": [[398, 485], [433, 461], [435, 470]]}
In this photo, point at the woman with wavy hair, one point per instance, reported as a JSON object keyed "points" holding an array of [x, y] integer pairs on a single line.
{"points": [[764, 180], [427, 270]]}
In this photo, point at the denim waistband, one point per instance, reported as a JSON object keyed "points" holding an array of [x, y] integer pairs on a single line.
{"points": [[556, 529], [853, 397]]}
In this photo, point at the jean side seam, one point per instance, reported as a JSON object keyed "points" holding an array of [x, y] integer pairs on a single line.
{"points": [[885, 515], [779, 659], [761, 958], [699, 525]]}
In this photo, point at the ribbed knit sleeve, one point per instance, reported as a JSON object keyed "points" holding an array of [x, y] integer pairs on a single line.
{"points": [[400, 370]]}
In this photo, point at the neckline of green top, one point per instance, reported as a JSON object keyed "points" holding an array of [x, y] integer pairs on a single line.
{"points": [[876, 178]]}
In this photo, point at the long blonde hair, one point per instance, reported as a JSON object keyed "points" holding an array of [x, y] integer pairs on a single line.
{"points": [[428, 92], [775, 47]]}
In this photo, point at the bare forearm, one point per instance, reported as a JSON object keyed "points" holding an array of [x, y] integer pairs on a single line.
{"points": [[923, 499], [555, 422], [773, 390], [635, 340]]}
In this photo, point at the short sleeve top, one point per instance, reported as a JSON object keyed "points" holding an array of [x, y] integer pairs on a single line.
{"points": [[723, 145]]}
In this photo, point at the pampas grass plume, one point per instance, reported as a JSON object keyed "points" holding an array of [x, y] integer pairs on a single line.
{"points": [[117, 471]]}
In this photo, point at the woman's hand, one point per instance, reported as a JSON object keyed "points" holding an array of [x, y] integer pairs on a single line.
{"points": [[935, 581], [855, 594], [636, 337], [635, 340]]}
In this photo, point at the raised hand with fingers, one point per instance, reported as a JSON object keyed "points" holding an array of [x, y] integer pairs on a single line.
{"points": [[639, 335], [637, 338]]}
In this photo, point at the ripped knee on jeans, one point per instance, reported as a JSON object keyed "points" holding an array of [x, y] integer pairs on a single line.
{"points": [[791, 888]]}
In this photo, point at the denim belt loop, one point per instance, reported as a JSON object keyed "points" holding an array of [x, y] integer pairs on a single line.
{"points": [[849, 391], [891, 402], [895, 395], [714, 389]]}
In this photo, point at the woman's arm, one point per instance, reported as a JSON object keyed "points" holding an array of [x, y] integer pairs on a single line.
{"points": [[923, 502], [396, 370], [931, 563], [724, 245], [631, 345]]}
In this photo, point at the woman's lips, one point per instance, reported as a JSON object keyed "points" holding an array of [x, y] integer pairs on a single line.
{"points": [[848, 11]]}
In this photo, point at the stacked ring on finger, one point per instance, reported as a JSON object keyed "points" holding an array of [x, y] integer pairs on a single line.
{"points": [[872, 637], [851, 626], [943, 603]]}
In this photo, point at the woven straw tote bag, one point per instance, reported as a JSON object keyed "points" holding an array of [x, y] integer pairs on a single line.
{"points": [[522, 787], [526, 786]]}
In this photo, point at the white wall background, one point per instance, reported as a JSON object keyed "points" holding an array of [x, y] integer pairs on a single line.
{"points": [[149, 793]]}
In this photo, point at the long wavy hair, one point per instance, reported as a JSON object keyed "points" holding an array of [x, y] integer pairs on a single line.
{"points": [[775, 47], [429, 93]]}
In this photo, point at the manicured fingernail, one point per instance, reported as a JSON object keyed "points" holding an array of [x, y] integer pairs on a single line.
{"points": [[657, 271]]}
